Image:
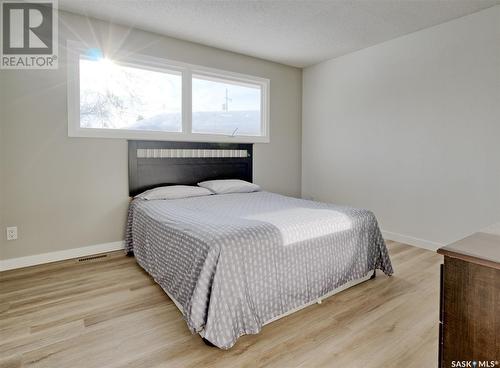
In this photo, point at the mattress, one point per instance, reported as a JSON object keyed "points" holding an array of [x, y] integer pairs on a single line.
{"points": [[233, 262]]}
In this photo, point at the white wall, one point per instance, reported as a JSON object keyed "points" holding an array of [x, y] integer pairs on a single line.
{"points": [[410, 129], [65, 193]]}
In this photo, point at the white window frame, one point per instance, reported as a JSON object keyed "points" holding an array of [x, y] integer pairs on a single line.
{"points": [[77, 49]]}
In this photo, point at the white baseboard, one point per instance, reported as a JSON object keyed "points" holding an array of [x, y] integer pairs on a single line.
{"points": [[37, 259], [417, 242]]}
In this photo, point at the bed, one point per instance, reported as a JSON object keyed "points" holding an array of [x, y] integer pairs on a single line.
{"points": [[234, 262]]}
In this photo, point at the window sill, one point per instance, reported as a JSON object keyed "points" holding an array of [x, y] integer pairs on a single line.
{"points": [[164, 136]]}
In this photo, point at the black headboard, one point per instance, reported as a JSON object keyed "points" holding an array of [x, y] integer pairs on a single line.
{"points": [[157, 163]]}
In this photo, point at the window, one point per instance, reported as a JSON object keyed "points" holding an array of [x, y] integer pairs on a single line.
{"points": [[225, 107], [113, 96], [141, 97]]}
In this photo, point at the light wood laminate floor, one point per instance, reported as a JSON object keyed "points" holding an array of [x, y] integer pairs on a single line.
{"points": [[109, 313]]}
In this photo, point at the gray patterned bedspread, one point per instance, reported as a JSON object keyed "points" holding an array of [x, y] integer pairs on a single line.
{"points": [[235, 261]]}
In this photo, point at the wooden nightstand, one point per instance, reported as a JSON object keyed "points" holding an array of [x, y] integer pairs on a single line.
{"points": [[470, 300]]}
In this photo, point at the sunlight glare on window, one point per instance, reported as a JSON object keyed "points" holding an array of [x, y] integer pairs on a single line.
{"points": [[115, 96]]}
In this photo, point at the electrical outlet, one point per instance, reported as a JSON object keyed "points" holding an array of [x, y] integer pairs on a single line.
{"points": [[12, 233]]}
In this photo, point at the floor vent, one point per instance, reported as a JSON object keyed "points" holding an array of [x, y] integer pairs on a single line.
{"points": [[92, 258]]}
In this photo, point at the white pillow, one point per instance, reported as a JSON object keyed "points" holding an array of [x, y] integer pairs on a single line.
{"points": [[229, 186], [174, 192]]}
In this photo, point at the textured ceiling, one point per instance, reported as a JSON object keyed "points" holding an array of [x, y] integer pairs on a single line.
{"points": [[298, 32]]}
